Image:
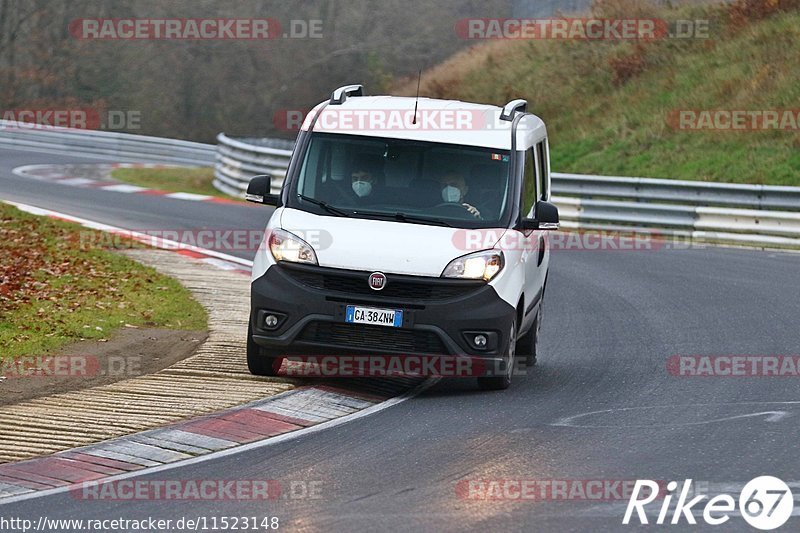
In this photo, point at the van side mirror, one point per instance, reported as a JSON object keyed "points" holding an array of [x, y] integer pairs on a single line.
{"points": [[258, 191], [546, 217]]}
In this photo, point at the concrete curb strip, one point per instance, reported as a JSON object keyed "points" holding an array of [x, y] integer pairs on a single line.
{"points": [[254, 422]]}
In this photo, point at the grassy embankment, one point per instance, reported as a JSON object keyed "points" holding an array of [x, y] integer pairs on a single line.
{"points": [[607, 104], [58, 285], [173, 179]]}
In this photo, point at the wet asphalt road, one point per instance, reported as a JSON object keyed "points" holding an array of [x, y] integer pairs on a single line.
{"points": [[612, 321]]}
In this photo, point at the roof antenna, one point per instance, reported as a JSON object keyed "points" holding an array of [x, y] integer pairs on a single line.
{"points": [[416, 100]]}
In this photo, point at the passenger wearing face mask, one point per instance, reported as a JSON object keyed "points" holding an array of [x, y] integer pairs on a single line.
{"points": [[454, 190]]}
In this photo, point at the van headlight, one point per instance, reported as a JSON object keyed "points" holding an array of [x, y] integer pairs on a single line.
{"points": [[286, 246], [479, 265]]}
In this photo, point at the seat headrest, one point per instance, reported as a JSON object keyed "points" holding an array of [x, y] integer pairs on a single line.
{"points": [[371, 163], [484, 171]]}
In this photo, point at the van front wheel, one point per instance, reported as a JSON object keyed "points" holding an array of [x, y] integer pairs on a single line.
{"points": [[503, 381], [528, 344], [258, 362]]}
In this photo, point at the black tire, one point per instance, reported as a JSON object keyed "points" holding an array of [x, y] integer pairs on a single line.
{"points": [[259, 362], [528, 344], [504, 381]]}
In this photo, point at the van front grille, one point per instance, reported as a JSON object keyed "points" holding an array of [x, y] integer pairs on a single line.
{"points": [[379, 339], [397, 287]]}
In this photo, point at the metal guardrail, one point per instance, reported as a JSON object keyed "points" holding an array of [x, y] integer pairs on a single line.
{"points": [[759, 227], [238, 160], [724, 212], [676, 191], [738, 213], [748, 214], [121, 147]]}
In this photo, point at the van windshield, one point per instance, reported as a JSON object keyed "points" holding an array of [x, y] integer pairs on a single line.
{"points": [[404, 180]]}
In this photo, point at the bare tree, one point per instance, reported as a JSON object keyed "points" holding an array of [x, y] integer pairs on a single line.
{"points": [[194, 89]]}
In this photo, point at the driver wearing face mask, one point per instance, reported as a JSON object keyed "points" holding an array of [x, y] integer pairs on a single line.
{"points": [[362, 182], [366, 177], [454, 190]]}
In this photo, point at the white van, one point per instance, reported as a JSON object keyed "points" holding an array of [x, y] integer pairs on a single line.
{"points": [[406, 226]]}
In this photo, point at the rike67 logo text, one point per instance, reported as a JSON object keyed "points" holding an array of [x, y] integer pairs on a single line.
{"points": [[765, 503]]}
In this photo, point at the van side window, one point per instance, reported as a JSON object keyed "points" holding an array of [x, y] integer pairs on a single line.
{"points": [[529, 183], [543, 171]]}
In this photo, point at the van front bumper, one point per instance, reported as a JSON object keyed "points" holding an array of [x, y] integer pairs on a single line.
{"points": [[440, 316]]}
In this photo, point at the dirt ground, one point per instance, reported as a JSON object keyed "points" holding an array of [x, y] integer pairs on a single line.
{"points": [[131, 352]]}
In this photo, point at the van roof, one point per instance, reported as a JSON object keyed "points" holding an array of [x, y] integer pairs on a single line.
{"points": [[443, 121]]}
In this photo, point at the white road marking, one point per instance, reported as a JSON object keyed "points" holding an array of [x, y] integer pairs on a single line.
{"points": [[770, 416], [221, 264], [30, 171], [189, 196], [75, 181], [123, 188]]}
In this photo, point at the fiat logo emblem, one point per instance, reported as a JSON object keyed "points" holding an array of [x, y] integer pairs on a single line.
{"points": [[377, 281]]}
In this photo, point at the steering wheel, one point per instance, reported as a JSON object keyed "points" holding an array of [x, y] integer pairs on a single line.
{"points": [[453, 205]]}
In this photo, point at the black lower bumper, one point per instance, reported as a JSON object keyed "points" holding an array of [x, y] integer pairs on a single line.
{"points": [[440, 317]]}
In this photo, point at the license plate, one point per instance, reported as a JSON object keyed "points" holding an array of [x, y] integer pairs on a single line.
{"points": [[370, 315]]}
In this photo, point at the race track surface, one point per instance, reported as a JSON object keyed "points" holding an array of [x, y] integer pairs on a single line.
{"points": [[612, 321]]}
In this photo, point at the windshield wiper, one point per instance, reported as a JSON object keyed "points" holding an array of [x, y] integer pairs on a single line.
{"points": [[324, 205], [402, 217]]}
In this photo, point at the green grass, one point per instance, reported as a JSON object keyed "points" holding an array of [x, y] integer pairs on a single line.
{"points": [[58, 286], [173, 179], [598, 126]]}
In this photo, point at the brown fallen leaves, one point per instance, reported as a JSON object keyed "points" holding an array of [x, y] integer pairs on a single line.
{"points": [[41, 260]]}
